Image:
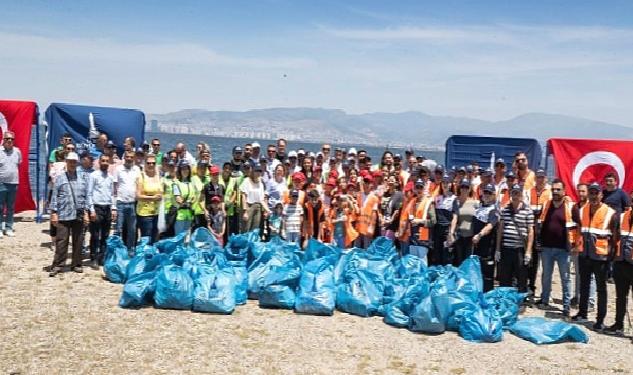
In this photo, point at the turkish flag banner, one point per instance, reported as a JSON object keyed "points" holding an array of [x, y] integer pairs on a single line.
{"points": [[589, 160], [19, 117]]}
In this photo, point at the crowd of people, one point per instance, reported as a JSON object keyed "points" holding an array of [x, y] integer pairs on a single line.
{"points": [[511, 217]]}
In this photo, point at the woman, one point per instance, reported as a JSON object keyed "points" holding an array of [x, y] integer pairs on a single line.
{"points": [[185, 195], [339, 222], [149, 192], [254, 205], [484, 227], [446, 210], [168, 180], [199, 180], [391, 206], [463, 228], [421, 220], [306, 169]]}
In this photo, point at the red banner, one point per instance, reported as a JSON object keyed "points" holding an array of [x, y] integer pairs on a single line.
{"points": [[19, 117], [589, 160]]}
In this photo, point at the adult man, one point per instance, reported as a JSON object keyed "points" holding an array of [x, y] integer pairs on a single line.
{"points": [[248, 152], [125, 180], [514, 240], [156, 151], [294, 166], [613, 196], [281, 149], [181, 149], [500, 173], [68, 214], [64, 140], [129, 144], [100, 145], [369, 203], [559, 236], [10, 160], [232, 179], [583, 198], [598, 226], [255, 155], [102, 208], [524, 175], [623, 271], [536, 198], [271, 159]]}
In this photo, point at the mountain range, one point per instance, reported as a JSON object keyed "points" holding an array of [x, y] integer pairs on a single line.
{"points": [[405, 128]]}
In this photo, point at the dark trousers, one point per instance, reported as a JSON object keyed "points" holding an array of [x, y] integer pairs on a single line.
{"points": [[599, 268], [511, 266], [99, 231], [463, 249], [623, 276], [233, 222], [439, 254], [148, 225], [488, 273], [199, 221], [66, 229], [532, 269]]}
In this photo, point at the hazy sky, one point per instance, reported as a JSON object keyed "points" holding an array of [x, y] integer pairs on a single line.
{"points": [[484, 59]]}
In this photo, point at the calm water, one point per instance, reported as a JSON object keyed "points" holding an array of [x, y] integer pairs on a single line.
{"points": [[221, 147]]}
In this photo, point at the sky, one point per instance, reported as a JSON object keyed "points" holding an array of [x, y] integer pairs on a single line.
{"points": [[491, 60]]}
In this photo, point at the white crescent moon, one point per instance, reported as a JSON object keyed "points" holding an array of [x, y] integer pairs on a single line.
{"points": [[4, 125], [600, 157]]}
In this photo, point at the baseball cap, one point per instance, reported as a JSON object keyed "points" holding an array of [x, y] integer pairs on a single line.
{"points": [[516, 187], [345, 165], [237, 149], [72, 156], [594, 186], [263, 160], [368, 178], [292, 154], [110, 144], [319, 154], [464, 183], [255, 145], [301, 152], [294, 193], [313, 193], [331, 182], [257, 167], [500, 161], [447, 178], [332, 159], [439, 169], [376, 173], [397, 156], [469, 168], [311, 154], [216, 199], [298, 176], [139, 150], [489, 187], [419, 182], [510, 174], [540, 172], [487, 172], [462, 169], [145, 144], [352, 151], [214, 170]]}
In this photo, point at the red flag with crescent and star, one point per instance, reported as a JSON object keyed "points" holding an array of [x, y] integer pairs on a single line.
{"points": [[589, 160], [19, 117]]}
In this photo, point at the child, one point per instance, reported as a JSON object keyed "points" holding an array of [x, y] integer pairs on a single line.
{"points": [[293, 219], [274, 222], [216, 221], [343, 233]]}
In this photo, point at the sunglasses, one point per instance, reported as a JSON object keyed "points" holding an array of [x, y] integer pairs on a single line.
{"points": [[522, 159], [150, 163], [70, 149], [271, 151], [325, 149], [8, 139], [155, 144]]}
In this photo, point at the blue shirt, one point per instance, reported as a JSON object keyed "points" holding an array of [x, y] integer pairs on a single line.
{"points": [[69, 196], [100, 190]]}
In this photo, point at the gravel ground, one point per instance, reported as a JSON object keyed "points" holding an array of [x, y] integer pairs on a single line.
{"points": [[71, 324]]}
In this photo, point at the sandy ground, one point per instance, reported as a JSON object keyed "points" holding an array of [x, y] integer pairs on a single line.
{"points": [[71, 324]]}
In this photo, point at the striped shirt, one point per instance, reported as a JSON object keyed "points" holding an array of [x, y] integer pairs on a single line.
{"points": [[514, 237]]}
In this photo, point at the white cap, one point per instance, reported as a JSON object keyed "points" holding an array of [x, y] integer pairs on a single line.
{"points": [[72, 156], [311, 154], [352, 150], [301, 152], [255, 145], [292, 154]]}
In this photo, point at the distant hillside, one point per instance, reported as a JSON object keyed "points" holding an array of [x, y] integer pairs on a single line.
{"points": [[415, 128]]}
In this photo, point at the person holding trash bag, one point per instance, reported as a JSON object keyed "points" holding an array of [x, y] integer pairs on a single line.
{"points": [[485, 222], [598, 227], [623, 271], [422, 220], [515, 238]]}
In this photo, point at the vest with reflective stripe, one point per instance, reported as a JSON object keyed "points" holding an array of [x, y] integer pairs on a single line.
{"points": [[625, 245], [404, 228], [309, 223], [596, 231], [570, 225], [537, 200], [365, 223], [422, 212]]}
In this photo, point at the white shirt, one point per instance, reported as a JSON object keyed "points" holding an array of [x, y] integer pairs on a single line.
{"points": [[125, 179], [254, 191]]}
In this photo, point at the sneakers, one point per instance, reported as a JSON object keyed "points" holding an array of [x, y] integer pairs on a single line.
{"points": [[579, 318], [615, 329], [598, 327], [9, 233], [541, 305], [78, 269], [55, 271]]}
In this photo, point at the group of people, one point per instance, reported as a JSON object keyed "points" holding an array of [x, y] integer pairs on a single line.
{"points": [[509, 216]]}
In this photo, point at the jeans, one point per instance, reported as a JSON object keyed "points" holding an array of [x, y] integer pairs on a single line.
{"points": [[623, 276], [99, 230], [510, 266], [293, 237], [7, 202], [587, 268], [549, 255], [339, 239], [149, 227], [182, 226], [592, 286], [419, 249], [126, 223]]}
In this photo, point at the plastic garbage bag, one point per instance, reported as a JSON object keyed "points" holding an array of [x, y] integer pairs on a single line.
{"points": [[481, 325], [471, 271], [203, 239], [425, 318], [116, 260], [398, 313], [277, 296], [409, 266], [507, 301], [317, 249], [169, 245], [279, 284], [174, 288], [317, 291], [384, 248], [545, 331], [214, 289], [245, 246], [146, 259], [276, 254], [138, 290]]}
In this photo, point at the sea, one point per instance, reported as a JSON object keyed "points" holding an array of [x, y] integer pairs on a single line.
{"points": [[221, 147]]}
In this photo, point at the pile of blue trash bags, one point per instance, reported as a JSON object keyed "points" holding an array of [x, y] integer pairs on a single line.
{"points": [[203, 276]]}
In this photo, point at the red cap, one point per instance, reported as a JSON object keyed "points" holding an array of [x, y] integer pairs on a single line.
{"points": [[377, 173], [214, 169], [216, 199], [368, 178], [331, 182], [298, 176], [333, 174], [363, 173], [408, 186]]}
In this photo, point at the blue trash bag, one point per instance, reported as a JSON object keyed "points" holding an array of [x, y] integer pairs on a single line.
{"points": [[409, 266], [317, 249], [143, 246], [241, 282], [279, 285], [398, 313], [116, 260], [545, 331], [317, 290], [146, 259], [277, 253], [214, 289], [174, 288], [481, 325], [203, 239], [182, 255], [471, 270], [138, 290], [243, 246], [384, 248], [425, 318], [277, 296], [507, 301], [169, 245]]}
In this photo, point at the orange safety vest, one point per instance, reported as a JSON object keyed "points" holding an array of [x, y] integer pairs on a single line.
{"points": [[422, 212], [365, 223], [350, 233], [504, 198], [596, 231], [404, 228], [309, 222], [537, 201], [574, 240], [530, 180], [625, 243], [285, 198]]}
